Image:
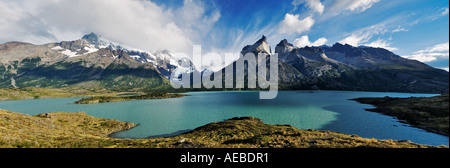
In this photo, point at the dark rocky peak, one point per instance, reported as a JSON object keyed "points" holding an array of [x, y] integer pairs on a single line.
{"points": [[261, 46], [263, 39], [348, 50], [364, 51], [312, 49], [101, 42], [92, 37], [284, 43], [339, 46], [283, 49]]}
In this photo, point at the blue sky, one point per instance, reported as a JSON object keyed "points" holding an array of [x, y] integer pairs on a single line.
{"points": [[414, 29], [410, 28]]}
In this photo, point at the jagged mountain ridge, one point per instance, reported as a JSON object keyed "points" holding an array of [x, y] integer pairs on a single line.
{"points": [[369, 57], [344, 67]]}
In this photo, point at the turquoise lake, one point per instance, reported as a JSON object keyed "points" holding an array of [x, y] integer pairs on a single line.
{"points": [[320, 110]]}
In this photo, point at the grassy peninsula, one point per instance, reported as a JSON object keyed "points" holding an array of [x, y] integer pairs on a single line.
{"points": [[42, 93], [431, 114], [79, 130], [107, 99]]}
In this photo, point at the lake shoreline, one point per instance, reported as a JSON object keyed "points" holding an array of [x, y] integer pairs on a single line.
{"points": [[7, 94], [110, 99]]}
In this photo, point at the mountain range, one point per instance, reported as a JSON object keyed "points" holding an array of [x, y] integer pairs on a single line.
{"points": [[345, 67], [94, 62], [91, 62]]}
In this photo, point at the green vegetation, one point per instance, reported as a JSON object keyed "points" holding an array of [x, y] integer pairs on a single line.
{"points": [[78, 130], [431, 114], [77, 74], [41, 93], [107, 99]]}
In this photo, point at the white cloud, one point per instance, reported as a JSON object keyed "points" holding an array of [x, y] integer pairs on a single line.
{"points": [[400, 29], [339, 6], [364, 35], [304, 41], [430, 54], [315, 5], [360, 5], [445, 68], [380, 43], [445, 12], [359, 37], [427, 57], [16, 24], [356, 39], [292, 24], [437, 48], [138, 23], [435, 15]]}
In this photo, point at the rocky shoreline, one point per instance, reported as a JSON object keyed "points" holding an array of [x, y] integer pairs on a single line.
{"points": [[430, 114]]}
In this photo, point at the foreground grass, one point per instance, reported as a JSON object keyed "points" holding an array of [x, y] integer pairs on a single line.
{"points": [[431, 113], [78, 130], [57, 130], [107, 99]]}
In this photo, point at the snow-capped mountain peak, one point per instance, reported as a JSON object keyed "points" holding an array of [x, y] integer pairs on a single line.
{"points": [[101, 42], [162, 60]]}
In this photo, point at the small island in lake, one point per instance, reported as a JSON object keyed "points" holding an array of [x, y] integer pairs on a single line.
{"points": [[429, 113], [107, 99]]}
